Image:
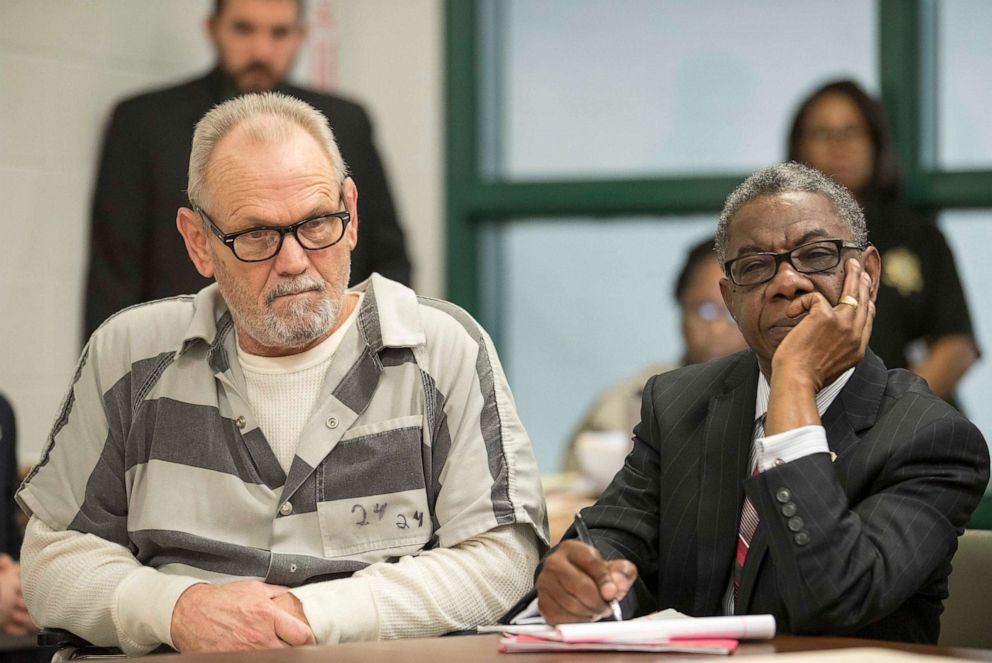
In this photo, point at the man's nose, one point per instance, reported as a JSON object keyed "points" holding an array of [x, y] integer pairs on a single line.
{"points": [[292, 258], [262, 45], [789, 282]]}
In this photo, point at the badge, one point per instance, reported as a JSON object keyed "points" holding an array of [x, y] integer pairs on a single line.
{"points": [[901, 270]]}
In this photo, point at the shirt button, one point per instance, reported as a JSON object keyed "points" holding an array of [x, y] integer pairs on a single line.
{"points": [[286, 508], [778, 461], [292, 568], [801, 538], [240, 422], [789, 509], [332, 422], [783, 495], [795, 524]]}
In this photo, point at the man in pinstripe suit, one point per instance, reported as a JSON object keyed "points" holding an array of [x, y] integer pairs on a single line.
{"points": [[799, 478]]}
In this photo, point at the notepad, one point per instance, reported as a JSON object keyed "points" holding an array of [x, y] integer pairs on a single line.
{"points": [[709, 635]]}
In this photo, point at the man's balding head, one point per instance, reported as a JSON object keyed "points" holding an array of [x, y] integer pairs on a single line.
{"points": [[270, 117]]}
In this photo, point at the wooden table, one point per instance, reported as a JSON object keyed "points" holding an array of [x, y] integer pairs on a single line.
{"points": [[482, 649]]}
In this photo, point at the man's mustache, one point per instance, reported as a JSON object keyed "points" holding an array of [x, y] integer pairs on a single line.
{"points": [[256, 67], [293, 287]]}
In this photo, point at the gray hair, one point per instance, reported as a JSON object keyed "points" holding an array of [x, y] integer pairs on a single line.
{"points": [[791, 177], [266, 117]]}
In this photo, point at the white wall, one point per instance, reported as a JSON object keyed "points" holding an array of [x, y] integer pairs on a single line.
{"points": [[63, 63]]}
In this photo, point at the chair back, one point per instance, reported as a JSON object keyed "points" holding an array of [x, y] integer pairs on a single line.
{"points": [[965, 622]]}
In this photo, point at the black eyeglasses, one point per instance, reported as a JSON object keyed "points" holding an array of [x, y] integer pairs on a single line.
{"points": [[809, 258], [264, 242]]}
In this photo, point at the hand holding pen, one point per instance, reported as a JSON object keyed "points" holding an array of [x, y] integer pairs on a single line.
{"points": [[586, 538], [577, 585]]}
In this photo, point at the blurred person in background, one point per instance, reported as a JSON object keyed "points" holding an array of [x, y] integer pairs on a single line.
{"points": [[708, 332], [923, 322], [135, 253], [14, 619]]}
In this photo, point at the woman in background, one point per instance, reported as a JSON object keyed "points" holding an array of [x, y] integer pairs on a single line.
{"points": [[922, 321]]}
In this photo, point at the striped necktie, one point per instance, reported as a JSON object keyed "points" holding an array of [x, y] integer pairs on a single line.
{"points": [[749, 516]]}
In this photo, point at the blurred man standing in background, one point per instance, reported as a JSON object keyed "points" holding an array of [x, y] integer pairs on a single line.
{"points": [[135, 253]]}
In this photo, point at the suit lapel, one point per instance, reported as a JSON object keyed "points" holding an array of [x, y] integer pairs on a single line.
{"points": [[856, 407], [726, 449]]}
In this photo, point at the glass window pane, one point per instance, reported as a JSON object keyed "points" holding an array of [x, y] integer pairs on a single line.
{"points": [[577, 305], [969, 234], [596, 88], [964, 60]]}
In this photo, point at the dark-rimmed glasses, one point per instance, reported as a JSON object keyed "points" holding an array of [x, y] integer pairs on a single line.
{"points": [[810, 258], [264, 242]]}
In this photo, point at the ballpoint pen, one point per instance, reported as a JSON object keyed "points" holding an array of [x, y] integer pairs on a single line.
{"points": [[586, 538]]}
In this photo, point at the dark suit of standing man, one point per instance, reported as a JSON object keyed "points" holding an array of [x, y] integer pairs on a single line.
{"points": [[860, 479], [135, 253]]}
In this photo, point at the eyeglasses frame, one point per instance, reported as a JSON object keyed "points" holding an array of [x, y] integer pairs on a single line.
{"points": [[786, 256], [228, 238]]}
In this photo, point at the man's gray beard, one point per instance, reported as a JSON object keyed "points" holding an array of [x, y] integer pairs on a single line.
{"points": [[303, 321]]}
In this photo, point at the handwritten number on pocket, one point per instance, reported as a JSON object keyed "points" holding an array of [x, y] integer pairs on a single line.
{"points": [[401, 523], [419, 517], [380, 509], [365, 519]]}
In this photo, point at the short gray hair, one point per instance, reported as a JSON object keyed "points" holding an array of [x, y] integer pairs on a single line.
{"points": [[268, 116], [791, 177]]}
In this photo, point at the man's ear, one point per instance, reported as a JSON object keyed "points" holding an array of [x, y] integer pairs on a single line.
{"points": [[211, 25], [726, 289], [350, 192], [872, 262], [195, 236]]}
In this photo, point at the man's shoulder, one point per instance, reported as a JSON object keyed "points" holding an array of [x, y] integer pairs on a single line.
{"points": [[712, 375], [907, 394], [341, 111], [153, 101], [447, 327], [146, 329]]}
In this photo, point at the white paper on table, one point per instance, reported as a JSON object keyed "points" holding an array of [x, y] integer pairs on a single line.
{"points": [[740, 627]]}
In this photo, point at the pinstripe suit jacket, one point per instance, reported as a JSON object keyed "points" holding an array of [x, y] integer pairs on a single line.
{"points": [[868, 548]]}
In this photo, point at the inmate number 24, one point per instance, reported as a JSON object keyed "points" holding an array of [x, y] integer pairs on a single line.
{"points": [[379, 511]]}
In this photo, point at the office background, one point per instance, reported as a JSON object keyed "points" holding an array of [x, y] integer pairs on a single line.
{"points": [[575, 149]]}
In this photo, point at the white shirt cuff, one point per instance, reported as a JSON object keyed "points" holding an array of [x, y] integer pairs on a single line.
{"points": [[791, 445], [145, 601], [340, 610]]}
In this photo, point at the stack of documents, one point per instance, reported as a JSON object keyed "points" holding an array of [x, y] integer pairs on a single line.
{"points": [[705, 635]]}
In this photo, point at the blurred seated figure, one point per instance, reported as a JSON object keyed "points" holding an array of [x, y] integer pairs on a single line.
{"points": [[14, 619], [708, 332], [923, 322]]}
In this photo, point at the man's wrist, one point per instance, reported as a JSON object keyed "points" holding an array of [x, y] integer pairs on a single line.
{"points": [[146, 602], [793, 379], [791, 401]]}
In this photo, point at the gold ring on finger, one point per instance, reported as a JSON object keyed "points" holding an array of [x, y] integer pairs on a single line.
{"points": [[850, 301]]}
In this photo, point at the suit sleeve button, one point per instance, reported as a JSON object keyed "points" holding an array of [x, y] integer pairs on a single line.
{"points": [[789, 509], [795, 524], [801, 538], [783, 495]]}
